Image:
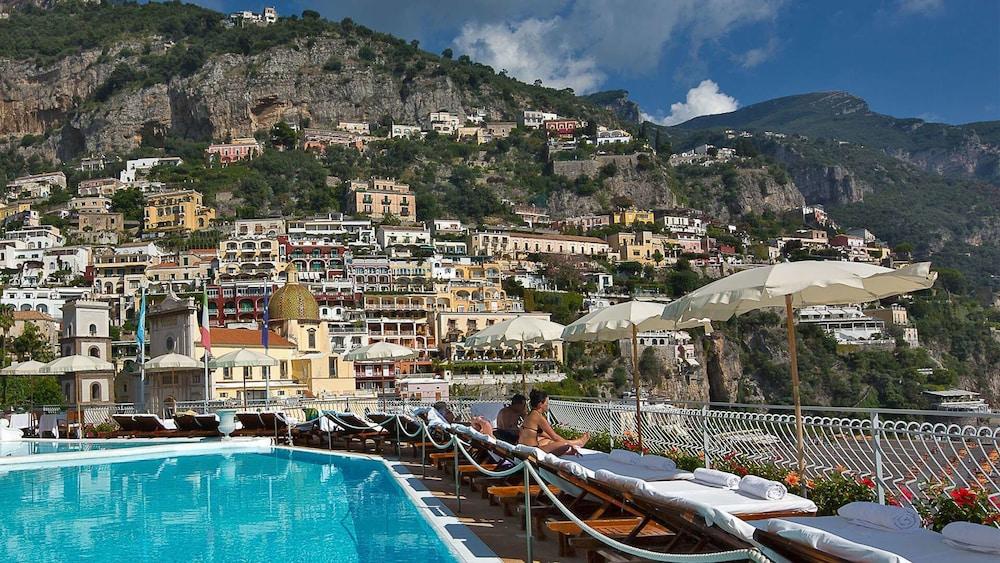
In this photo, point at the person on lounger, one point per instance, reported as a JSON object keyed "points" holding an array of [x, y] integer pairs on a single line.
{"points": [[509, 419], [537, 432]]}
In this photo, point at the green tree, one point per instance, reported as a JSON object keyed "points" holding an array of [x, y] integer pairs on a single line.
{"points": [[130, 203], [31, 344], [448, 54], [283, 136], [6, 323]]}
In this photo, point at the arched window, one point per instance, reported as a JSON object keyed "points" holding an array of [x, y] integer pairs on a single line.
{"points": [[93, 329], [312, 339], [95, 352], [95, 391], [43, 308], [171, 343]]}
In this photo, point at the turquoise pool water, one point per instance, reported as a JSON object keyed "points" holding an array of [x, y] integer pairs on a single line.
{"points": [[17, 449], [280, 506]]}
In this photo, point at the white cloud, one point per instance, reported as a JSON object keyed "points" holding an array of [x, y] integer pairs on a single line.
{"points": [[703, 99], [579, 46], [756, 56], [530, 50], [922, 7]]}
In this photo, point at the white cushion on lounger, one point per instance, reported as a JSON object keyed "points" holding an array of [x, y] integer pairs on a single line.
{"points": [[596, 461], [649, 461], [461, 429], [628, 484], [731, 501], [830, 542]]}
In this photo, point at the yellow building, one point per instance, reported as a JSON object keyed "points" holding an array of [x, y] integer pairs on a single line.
{"points": [[179, 211], [631, 216], [643, 247], [380, 197], [14, 208]]}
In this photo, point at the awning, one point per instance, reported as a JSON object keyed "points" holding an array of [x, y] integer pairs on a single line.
{"points": [[308, 356], [692, 362]]}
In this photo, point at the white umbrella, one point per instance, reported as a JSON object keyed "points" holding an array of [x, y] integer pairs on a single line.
{"points": [[624, 320], [520, 330], [30, 367], [242, 358], [793, 285], [75, 363], [170, 362], [380, 351]]}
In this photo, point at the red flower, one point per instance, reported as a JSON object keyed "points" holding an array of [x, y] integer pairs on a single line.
{"points": [[963, 497], [867, 481], [906, 492]]}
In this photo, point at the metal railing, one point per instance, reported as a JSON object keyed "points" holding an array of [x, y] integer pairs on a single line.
{"points": [[900, 450]]}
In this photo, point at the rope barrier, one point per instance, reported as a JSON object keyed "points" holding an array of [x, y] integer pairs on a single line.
{"points": [[531, 473]]}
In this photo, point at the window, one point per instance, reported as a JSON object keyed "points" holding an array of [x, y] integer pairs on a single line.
{"points": [[312, 339], [333, 366], [95, 352], [227, 373], [170, 343], [95, 391], [247, 374], [283, 369]]}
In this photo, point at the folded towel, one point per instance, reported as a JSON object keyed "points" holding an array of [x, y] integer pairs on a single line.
{"points": [[628, 484], [716, 478], [626, 456], [658, 462], [973, 537], [884, 517], [762, 488]]}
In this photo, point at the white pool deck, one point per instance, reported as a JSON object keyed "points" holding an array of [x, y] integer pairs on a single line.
{"points": [[463, 543]]}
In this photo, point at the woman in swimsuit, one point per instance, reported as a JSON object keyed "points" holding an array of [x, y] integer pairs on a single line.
{"points": [[536, 430]]}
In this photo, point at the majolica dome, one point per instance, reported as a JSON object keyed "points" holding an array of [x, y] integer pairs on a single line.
{"points": [[293, 301]]}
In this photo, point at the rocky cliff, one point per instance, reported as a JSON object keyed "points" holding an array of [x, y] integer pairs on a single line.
{"points": [[635, 182]]}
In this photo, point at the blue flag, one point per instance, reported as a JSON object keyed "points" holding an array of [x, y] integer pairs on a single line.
{"points": [[264, 325], [140, 330]]}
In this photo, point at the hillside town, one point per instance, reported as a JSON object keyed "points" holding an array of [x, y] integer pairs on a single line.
{"points": [[328, 284]]}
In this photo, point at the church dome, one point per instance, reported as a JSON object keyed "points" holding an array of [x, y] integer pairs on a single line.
{"points": [[293, 301]]}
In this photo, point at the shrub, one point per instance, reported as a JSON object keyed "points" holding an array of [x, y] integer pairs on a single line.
{"points": [[333, 64], [940, 506], [832, 492]]}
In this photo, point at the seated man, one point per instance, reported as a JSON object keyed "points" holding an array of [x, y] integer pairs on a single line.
{"points": [[509, 419], [442, 408]]}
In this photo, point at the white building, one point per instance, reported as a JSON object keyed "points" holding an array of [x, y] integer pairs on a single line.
{"points": [[42, 236], [356, 127], [684, 224], [532, 119], [847, 324], [388, 236], [448, 226], [140, 167], [398, 131], [608, 136], [334, 226], [445, 122], [36, 186], [44, 300]]}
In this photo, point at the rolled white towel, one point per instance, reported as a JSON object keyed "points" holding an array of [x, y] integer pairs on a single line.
{"points": [[626, 456], [628, 484], [874, 515], [716, 478], [973, 537], [762, 488], [658, 462]]}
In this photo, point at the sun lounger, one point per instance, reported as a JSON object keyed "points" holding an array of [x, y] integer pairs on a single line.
{"points": [[832, 539], [191, 424], [349, 428], [734, 502]]}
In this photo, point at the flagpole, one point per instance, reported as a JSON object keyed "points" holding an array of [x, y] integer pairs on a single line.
{"points": [[206, 345], [140, 338], [264, 340]]}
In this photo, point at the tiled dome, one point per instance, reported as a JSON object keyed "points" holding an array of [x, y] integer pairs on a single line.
{"points": [[293, 301]]}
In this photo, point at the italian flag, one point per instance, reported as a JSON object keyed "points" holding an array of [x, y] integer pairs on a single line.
{"points": [[206, 334]]}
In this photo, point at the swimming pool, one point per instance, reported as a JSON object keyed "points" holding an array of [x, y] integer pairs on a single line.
{"points": [[248, 506], [40, 447]]}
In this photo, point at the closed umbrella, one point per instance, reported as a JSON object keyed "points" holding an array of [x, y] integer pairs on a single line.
{"points": [[624, 320], [794, 285], [519, 330], [242, 358]]}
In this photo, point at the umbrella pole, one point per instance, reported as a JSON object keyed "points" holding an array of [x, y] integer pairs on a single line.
{"points": [[794, 360], [524, 376], [638, 399]]}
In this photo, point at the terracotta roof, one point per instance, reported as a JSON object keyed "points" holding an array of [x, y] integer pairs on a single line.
{"points": [[246, 338], [32, 316]]}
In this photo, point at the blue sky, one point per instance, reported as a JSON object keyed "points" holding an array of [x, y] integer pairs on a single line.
{"points": [[932, 59]]}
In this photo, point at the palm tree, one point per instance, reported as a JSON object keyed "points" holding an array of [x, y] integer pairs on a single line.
{"points": [[6, 323]]}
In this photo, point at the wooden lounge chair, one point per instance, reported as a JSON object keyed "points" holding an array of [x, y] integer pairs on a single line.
{"points": [[127, 426], [400, 430], [197, 425], [351, 428]]}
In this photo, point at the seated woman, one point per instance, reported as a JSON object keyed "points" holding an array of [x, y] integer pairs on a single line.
{"points": [[536, 430]]}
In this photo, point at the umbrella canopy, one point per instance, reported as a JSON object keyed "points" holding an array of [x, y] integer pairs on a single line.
{"points": [[380, 351], [518, 330], [168, 362], [624, 320], [794, 285], [808, 283], [242, 358], [620, 321], [30, 367], [75, 363]]}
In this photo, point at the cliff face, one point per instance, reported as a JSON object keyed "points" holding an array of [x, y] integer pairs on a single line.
{"points": [[739, 192], [231, 95], [632, 184], [821, 183]]}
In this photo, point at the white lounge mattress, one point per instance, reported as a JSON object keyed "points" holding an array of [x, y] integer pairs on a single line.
{"points": [[592, 462], [916, 546], [728, 500]]}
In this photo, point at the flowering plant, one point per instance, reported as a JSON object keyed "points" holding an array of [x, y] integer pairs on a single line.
{"points": [[839, 489], [941, 506], [684, 460], [631, 443]]}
